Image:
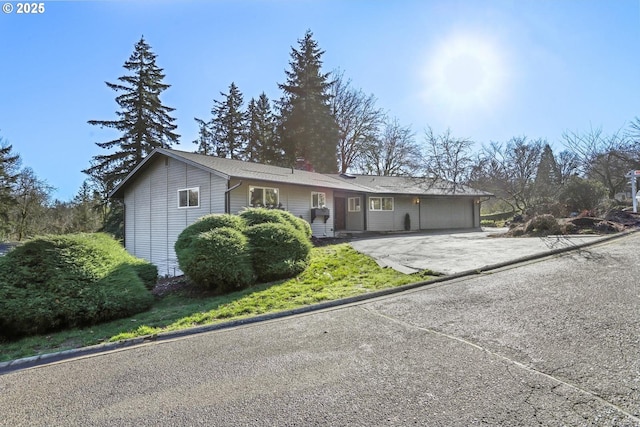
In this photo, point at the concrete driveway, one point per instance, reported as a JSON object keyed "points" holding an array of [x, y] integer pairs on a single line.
{"points": [[451, 252]]}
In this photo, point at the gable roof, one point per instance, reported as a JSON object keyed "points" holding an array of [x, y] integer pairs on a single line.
{"points": [[228, 168]]}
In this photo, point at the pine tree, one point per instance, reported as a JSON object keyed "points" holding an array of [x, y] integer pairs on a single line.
{"points": [[143, 121], [262, 142], [308, 129]]}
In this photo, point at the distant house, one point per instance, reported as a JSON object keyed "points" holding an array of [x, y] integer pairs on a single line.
{"points": [[170, 189]]}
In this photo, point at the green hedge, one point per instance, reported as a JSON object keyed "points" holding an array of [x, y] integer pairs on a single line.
{"points": [[53, 282]]}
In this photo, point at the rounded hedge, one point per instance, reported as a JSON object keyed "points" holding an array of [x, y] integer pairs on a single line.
{"points": [[256, 216], [278, 251], [53, 282], [208, 223], [218, 259]]}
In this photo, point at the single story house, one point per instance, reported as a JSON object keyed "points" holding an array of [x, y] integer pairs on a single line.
{"points": [[171, 189]]}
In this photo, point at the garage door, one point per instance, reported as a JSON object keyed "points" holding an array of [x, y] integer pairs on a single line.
{"points": [[446, 213]]}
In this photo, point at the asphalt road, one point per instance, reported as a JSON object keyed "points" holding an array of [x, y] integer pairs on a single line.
{"points": [[550, 343]]}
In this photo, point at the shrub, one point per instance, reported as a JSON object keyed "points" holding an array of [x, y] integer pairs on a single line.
{"points": [[53, 282], [218, 259], [542, 225], [582, 194], [208, 223], [255, 216], [278, 251]]}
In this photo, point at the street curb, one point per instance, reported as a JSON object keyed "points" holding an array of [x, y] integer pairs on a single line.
{"points": [[48, 358]]}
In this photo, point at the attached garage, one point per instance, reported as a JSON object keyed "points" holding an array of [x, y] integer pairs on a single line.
{"points": [[446, 213]]}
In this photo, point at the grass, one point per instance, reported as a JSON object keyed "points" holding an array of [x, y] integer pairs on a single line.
{"points": [[335, 272]]}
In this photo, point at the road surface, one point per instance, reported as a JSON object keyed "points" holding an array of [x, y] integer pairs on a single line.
{"points": [[553, 342]]}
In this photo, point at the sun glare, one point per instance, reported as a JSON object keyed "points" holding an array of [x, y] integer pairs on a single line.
{"points": [[465, 73]]}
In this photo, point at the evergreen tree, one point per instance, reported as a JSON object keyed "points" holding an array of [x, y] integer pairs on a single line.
{"points": [[9, 164], [548, 178], [86, 209], [205, 138], [308, 129], [262, 142], [225, 134], [143, 121], [229, 124]]}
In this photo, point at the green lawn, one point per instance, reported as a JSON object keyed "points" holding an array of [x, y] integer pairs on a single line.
{"points": [[336, 271]]}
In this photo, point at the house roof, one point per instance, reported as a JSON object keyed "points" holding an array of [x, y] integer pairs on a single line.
{"points": [[411, 185], [228, 168]]}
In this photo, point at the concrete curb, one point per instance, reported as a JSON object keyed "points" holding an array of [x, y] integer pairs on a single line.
{"points": [[44, 359]]}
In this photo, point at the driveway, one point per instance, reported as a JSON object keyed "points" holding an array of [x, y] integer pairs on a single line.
{"points": [[451, 252]]}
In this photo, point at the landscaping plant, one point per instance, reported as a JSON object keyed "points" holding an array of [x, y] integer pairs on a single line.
{"points": [[54, 282]]}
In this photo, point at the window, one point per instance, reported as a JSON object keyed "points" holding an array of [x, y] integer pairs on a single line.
{"points": [[354, 204], [381, 203], [318, 200], [189, 197], [263, 197]]}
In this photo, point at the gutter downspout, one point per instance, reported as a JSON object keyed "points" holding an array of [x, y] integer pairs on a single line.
{"points": [[227, 196]]}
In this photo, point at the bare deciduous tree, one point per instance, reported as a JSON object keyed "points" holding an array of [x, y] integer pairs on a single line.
{"points": [[509, 170], [605, 158], [357, 117], [392, 153], [448, 158]]}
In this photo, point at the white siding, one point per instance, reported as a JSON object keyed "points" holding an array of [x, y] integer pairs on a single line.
{"points": [[445, 213]]}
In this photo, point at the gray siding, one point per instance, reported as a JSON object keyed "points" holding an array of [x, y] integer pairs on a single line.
{"points": [[393, 220], [355, 220], [295, 199], [446, 213], [153, 220]]}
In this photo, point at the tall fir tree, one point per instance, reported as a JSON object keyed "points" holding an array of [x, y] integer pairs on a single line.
{"points": [[205, 138], [229, 124], [144, 122], [548, 179], [225, 134], [262, 142], [308, 129], [9, 165]]}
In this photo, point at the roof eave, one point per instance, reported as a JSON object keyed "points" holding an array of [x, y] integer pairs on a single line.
{"points": [[118, 192]]}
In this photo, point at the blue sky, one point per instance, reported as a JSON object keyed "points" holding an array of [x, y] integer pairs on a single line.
{"points": [[487, 69]]}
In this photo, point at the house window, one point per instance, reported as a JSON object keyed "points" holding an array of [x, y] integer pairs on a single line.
{"points": [[318, 200], [263, 197], [381, 203], [189, 197], [354, 204]]}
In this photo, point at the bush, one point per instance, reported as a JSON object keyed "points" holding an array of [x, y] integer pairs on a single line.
{"points": [[542, 225], [218, 259], [208, 223], [278, 251], [55, 282], [582, 194], [255, 216]]}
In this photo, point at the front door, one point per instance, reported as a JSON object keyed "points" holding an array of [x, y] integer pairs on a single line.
{"points": [[340, 212]]}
